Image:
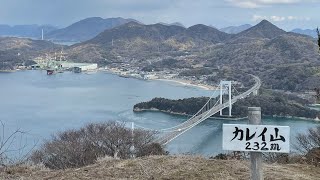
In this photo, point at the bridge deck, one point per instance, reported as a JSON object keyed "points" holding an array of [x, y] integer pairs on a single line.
{"points": [[190, 123]]}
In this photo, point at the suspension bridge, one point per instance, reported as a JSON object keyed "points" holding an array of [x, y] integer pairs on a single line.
{"points": [[208, 110]]}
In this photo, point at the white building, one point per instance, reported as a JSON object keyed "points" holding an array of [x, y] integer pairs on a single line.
{"points": [[83, 66]]}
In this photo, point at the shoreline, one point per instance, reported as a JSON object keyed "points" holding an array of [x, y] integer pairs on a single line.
{"points": [[138, 110], [175, 80], [185, 115], [295, 117], [8, 71], [188, 83]]}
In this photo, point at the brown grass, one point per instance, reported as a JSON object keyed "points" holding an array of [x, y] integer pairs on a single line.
{"points": [[164, 167]]}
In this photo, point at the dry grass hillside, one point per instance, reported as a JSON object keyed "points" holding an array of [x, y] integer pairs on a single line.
{"points": [[164, 167]]}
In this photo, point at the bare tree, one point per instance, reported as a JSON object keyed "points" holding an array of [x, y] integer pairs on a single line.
{"points": [[12, 143], [115, 140], [112, 138], [309, 145], [270, 157], [308, 141], [66, 149], [76, 148]]}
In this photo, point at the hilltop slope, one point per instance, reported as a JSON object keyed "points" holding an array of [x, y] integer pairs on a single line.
{"points": [[260, 45], [166, 167], [264, 29], [14, 51], [146, 41], [264, 50]]}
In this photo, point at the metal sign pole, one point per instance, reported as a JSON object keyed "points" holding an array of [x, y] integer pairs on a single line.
{"points": [[254, 116], [132, 148], [221, 98]]}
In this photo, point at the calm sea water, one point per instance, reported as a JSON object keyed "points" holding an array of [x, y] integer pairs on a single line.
{"points": [[42, 105]]}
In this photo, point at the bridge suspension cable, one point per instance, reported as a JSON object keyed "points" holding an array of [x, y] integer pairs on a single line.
{"points": [[204, 113], [198, 118], [235, 88], [176, 128]]}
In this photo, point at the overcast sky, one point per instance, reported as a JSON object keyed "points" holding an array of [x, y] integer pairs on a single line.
{"points": [[287, 14]]}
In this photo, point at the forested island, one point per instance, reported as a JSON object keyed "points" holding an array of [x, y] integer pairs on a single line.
{"points": [[272, 104]]}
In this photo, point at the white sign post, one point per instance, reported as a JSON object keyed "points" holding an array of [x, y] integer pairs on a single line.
{"points": [[256, 138]]}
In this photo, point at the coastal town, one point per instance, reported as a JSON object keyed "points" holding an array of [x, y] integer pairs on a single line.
{"points": [[58, 63], [171, 75]]}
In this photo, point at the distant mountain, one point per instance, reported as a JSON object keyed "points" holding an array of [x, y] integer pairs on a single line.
{"points": [[177, 24], [265, 53], [4, 29], [31, 31], [284, 60], [206, 34], [264, 29], [262, 44], [15, 51], [235, 29], [172, 24], [308, 32], [86, 29], [143, 41]]}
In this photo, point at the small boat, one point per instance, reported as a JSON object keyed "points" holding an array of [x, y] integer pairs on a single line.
{"points": [[76, 69], [50, 72], [124, 76]]}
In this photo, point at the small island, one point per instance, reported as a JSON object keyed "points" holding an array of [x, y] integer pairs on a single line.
{"points": [[272, 103]]}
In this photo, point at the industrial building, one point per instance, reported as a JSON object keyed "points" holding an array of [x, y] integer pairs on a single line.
{"points": [[79, 66]]}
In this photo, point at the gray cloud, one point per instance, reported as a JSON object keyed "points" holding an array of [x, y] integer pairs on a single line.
{"points": [[263, 3], [189, 12]]}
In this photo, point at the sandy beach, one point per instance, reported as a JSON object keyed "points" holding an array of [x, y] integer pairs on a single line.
{"points": [[189, 83], [178, 81]]}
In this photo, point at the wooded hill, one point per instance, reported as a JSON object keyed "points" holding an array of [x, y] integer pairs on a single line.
{"points": [[283, 60], [271, 103], [278, 57], [17, 51]]}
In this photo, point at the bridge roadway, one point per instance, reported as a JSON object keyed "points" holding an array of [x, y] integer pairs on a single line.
{"points": [[190, 123]]}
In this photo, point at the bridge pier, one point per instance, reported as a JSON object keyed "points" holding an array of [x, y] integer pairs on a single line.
{"points": [[228, 85], [255, 92], [203, 115]]}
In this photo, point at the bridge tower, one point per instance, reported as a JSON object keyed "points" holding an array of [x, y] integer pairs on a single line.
{"points": [[225, 84]]}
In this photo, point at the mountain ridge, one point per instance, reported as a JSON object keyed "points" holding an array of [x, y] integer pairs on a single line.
{"points": [[264, 50], [264, 29], [308, 32], [16, 51], [29, 31], [281, 59], [136, 40], [86, 29], [174, 23], [235, 29]]}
